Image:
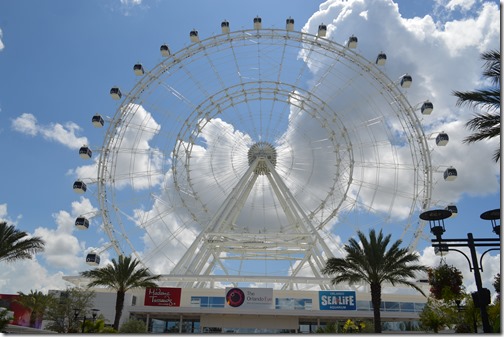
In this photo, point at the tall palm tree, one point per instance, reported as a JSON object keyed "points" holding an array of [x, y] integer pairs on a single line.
{"points": [[485, 125], [371, 262], [121, 276], [15, 244]]}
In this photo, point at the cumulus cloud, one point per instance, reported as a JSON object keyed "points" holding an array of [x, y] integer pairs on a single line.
{"points": [[64, 253], [64, 134], [1, 42]]}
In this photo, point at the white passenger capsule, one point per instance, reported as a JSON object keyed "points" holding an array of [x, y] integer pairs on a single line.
{"points": [[322, 30], [289, 24], [225, 27]]}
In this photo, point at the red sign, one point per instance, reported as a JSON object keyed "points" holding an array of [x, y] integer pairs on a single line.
{"points": [[168, 297]]}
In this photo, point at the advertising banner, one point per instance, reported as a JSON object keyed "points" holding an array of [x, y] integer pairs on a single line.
{"points": [[337, 300], [249, 298], [168, 297]]}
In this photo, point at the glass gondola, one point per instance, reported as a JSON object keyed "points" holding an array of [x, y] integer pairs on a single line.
{"points": [[97, 121], [82, 223], [225, 27], [406, 81], [193, 35], [322, 30], [93, 259], [427, 108], [453, 209], [138, 69], [85, 152], [381, 59], [352, 42], [165, 51], [79, 187], [257, 23], [289, 24], [115, 92], [450, 174], [442, 139]]}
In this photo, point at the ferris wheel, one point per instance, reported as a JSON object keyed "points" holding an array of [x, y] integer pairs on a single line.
{"points": [[253, 155]]}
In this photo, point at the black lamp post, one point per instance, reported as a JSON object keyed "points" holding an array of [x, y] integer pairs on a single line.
{"points": [[94, 313], [436, 218]]}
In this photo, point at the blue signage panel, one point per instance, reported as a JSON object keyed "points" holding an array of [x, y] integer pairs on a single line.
{"points": [[337, 300]]}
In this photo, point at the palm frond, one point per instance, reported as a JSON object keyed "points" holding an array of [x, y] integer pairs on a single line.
{"points": [[16, 244]]}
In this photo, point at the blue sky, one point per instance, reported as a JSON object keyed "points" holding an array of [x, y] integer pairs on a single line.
{"points": [[59, 59]]}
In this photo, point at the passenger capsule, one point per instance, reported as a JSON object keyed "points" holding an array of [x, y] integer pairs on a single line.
{"points": [[352, 42], [93, 259], [225, 27], [193, 35], [97, 121], [115, 92], [289, 24], [406, 81], [85, 152], [138, 69], [381, 59], [453, 209], [257, 22], [79, 187], [442, 139], [427, 108], [450, 174], [165, 51], [82, 223], [322, 30]]}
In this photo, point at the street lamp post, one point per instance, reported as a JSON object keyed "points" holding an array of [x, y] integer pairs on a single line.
{"points": [[94, 313], [436, 218]]}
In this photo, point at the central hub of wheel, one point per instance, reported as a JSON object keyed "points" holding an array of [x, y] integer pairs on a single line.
{"points": [[262, 151]]}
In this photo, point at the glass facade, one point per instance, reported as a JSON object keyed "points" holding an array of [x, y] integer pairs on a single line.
{"points": [[307, 304], [391, 306], [173, 326], [207, 301], [293, 303]]}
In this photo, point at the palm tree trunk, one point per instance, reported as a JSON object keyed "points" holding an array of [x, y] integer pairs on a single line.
{"points": [[376, 301], [118, 308]]}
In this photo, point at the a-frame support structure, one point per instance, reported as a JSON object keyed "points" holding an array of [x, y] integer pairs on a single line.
{"points": [[301, 244]]}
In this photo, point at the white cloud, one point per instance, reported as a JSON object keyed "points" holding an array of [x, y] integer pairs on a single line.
{"points": [[3, 211], [26, 123], [63, 134], [29, 275], [62, 248], [1, 42], [131, 2], [451, 5], [442, 58], [64, 254]]}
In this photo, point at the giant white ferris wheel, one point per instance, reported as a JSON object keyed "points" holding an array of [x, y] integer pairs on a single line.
{"points": [[252, 155]]}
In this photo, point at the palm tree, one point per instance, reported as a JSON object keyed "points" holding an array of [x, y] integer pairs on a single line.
{"points": [[37, 302], [485, 125], [121, 276], [14, 244], [372, 263]]}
